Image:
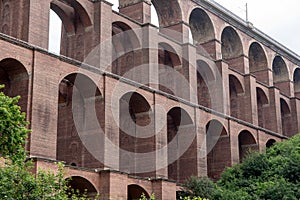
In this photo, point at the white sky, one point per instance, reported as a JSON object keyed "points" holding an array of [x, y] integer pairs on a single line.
{"points": [[278, 19]]}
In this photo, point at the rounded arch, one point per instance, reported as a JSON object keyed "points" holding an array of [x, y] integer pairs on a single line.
{"points": [[168, 61], [15, 77], [262, 108], [231, 44], [168, 11], [270, 143], [236, 92], [180, 132], [201, 26], [247, 142], [205, 76], [80, 108], [134, 192], [135, 132], [125, 49], [286, 118], [83, 186], [296, 80], [280, 70], [217, 143], [257, 59]]}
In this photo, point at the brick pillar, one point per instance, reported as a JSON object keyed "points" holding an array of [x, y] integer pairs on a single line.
{"points": [[250, 104], [139, 10], [223, 70], [263, 76], [163, 189], [274, 121], [211, 48], [240, 64], [27, 20], [285, 87], [295, 112]]}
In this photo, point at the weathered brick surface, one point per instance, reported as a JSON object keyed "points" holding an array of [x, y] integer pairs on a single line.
{"points": [[257, 100]]}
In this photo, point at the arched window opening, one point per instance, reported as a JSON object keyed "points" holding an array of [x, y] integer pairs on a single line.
{"points": [[80, 110], [258, 62], [270, 143], [55, 31], [296, 80], [236, 93], [15, 77], [82, 186], [169, 69], [286, 118], [134, 192], [217, 149], [280, 72], [154, 16], [262, 108], [126, 50], [232, 48], [247, 143], [180, 129], [205, 77], [201, 27], [135, 132]]}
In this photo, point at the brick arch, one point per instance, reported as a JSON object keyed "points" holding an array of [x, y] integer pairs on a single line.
{"points": [[247, 142], [217, 143], [180, 132], [296, 80], [286, 118], [280, 70], [15, 77], [236, 92], [270, 143], [262, 107], [134, 192], [258, 63], [82, 186], [135, 135], [80, 110], [169, 62], [205, 77], [232, 47], [126, 48], [201, 26]]}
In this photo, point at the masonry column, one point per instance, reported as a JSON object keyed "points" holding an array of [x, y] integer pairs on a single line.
{"points": [[27, 20], [139, 10], [274, 121], [250, 105]]}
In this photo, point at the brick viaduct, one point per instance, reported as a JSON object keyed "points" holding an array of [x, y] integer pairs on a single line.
{"points": [[256, 104]]}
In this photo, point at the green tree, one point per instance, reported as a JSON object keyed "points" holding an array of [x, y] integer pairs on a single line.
{"points": [[16, 180]]}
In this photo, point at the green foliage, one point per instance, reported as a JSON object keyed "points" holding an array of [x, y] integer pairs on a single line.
{"points": [[198, 187], [13, 131], [16, 180], [272, 175], [143, 197]]}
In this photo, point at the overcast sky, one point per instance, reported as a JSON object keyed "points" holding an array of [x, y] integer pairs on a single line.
{"points": [[278, 19]]}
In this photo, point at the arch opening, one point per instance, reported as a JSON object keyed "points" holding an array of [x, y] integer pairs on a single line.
{"points": [[280, 72], [205, 78], [180, 129], [286, 118], [80, 110], [247, 143], [270, 143], [262, 108], [201, 27], [134, 192], [135, 132], [258, 63], [55, 31], [217, 149], [15, 77], [169, 65], [236, 93], [296, 80], [83, 186]]}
